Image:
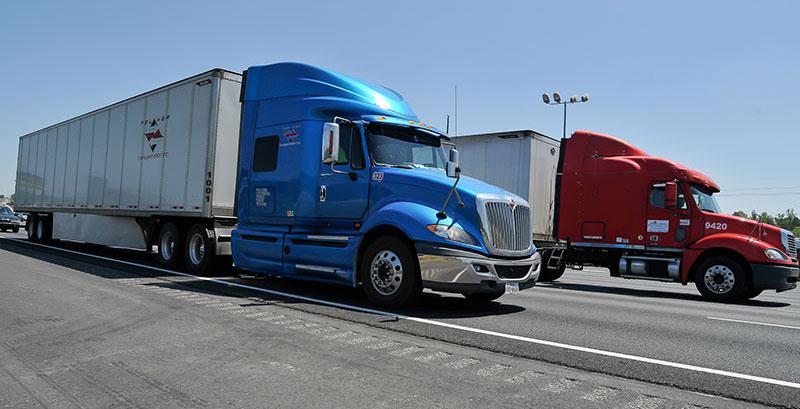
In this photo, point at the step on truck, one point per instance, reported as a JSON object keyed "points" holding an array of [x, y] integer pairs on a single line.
{"points": [[599, 200], [288, 169]]}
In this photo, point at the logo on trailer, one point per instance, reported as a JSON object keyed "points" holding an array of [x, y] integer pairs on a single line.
{"points": [[154, 136]]}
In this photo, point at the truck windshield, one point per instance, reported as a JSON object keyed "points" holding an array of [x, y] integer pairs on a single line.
{"points": [[704, 199], [406, 147]]}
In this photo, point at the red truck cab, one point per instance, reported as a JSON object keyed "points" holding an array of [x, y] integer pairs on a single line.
{"points": [[653, 218]]}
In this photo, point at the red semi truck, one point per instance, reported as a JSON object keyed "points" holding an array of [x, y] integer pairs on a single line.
{"points": [[599, 200]]}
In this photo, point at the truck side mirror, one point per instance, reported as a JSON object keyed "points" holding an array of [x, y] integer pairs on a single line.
{"points": [[330, 142], [452, 164], [670, 195]]}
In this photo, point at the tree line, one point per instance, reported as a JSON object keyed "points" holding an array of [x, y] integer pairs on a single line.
{"points": [[788, 220]]}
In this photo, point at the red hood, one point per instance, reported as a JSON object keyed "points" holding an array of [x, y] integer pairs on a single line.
{"points": [[739, 225]]}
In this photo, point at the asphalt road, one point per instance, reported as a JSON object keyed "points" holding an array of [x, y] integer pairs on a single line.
{"points": [[76, 331]]}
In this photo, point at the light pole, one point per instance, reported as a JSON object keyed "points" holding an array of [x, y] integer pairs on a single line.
{"points": [[557, 101]]}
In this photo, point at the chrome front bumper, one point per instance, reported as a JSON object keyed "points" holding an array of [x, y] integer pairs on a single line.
{"points": [[453, 270]]}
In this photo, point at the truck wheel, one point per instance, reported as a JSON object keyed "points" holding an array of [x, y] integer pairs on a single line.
{"points": [[389, 274], [170, 245], [30, 227], [551, 274], [42, 231], [484, 298], [15, 229], [721, 279], [201, 249]]}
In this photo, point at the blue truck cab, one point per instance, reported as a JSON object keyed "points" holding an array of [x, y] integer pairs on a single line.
{"points": [[339, 182]]}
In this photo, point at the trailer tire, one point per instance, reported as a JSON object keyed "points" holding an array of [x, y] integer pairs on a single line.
{"points": [[43, 229], [721, 279], [389, 274], [201, 249], [30, 227], [481, 299], [170, 245], [551, 274]]}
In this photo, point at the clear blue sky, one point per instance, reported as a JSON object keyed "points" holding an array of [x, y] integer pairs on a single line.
{"points": [[714, 85]]}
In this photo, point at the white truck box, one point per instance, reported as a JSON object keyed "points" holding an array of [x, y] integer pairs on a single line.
{"points": [[169, 151], [523, 162]]}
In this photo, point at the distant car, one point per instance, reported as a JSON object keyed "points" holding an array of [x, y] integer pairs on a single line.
{"points": [[8, 220]]}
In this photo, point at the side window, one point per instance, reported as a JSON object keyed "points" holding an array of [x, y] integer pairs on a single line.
{"points": [[350, 150], [265, 154], [657, 195], [682, 204]]}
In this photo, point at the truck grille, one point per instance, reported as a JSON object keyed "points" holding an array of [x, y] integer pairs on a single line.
{"points": [[508, 226], [791, 245]]}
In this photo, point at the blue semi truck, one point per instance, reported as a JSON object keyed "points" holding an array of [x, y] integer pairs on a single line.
{"points": [[311, 175]]}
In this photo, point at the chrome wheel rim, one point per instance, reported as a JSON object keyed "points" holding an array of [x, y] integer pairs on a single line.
{"points": [[197, 249], [39, 229], [719, 279], [167, 246], [386, 272]]}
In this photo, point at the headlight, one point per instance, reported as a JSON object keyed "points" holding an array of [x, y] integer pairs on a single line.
{"points": [[452, 233], [775, 254]]}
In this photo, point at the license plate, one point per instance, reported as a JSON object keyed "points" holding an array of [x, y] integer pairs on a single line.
{"points": [[512, 288]]}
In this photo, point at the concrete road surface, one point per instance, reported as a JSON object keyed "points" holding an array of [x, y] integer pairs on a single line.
{"points": [[78, 331]]}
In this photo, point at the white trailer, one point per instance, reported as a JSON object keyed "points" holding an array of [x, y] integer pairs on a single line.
{"points": [[158, 168], [523, 162]]}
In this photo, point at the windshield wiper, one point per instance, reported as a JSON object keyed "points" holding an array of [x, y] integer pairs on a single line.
{"points": [[393, 166]]}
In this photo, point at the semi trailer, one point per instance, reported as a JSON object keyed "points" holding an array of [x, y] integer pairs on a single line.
{"points": [[288, 169], [598, 200]]}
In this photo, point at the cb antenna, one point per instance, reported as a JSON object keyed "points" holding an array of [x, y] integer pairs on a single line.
{"points": [[447, 130], [456, 114]]}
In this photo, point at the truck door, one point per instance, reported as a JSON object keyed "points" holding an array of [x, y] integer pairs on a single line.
{"points": [[344, 190], [667, 225]]}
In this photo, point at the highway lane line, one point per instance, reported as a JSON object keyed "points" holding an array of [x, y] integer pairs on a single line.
{"points": [[766, 324], [513, 337]]}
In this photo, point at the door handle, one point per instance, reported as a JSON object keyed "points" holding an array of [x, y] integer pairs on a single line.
{"points": [[323, 193]]}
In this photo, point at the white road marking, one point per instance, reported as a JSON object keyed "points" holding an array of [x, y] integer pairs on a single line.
{"points": [[645, 402], [766, 324], [384, 345], [461, 363], [561, 385], [406, 351], [339, 335], [362, 340], [436, 356], [530, 340], [491, 370], [525, 377], [600, 393]]}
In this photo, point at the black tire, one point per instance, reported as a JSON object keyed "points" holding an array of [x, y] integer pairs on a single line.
{"points": [[200, 249], [752, 293], [551, 274], [170, 245], [30, 227], [43, 229], [387, 289], [721, 279], [484, 298], [15, 229]]}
